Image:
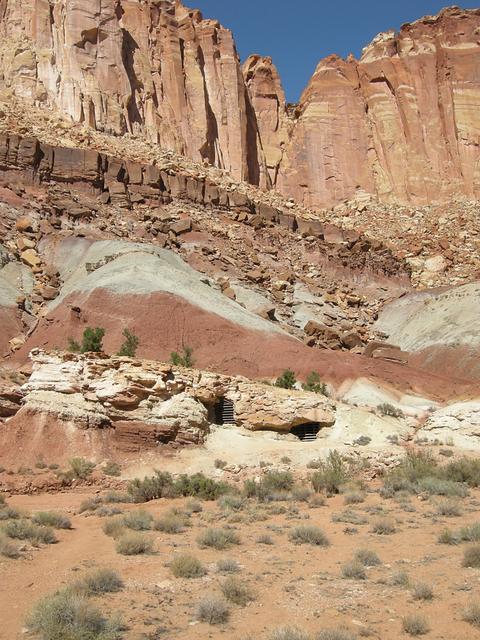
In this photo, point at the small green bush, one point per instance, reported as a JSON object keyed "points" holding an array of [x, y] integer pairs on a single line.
{"points": [[116, 497], [200, 486], [354, 497], [133, 544], [130, 344], [448, 537], [90, 504], [67, 615], [314, 384], [400, 579], [212, 610], [331, 475], [231, 503], [150, 488], [335, 634], [415, 625], [81, 468], [471, 556], [449, 508], [236, 591], [465, 470], [218, 538], [387, 409], [9, 513], [187, 566], [35, 534], [309, 534], [112, 469], [52, 519], [354, 569], [184, 360], [91, 341], [138, 520], [470, 533], [99, 582], [170, 524], [219, 463], [264, 539], [287, 380]]}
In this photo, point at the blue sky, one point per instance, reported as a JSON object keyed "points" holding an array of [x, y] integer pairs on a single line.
{"points": [[297, 34]]}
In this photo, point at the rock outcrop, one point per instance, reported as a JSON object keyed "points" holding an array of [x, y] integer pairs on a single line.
{"points": [[401, 124], [108, 405]]}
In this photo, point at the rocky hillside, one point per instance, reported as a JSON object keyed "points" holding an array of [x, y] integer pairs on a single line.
{"points": [[399, 124]]}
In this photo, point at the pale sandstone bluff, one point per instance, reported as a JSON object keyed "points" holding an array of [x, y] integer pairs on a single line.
{"points": [[102, 405], [401, 124]]}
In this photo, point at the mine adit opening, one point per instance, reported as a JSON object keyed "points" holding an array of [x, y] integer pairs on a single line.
{"points": [[306, 432], [224, 412]]}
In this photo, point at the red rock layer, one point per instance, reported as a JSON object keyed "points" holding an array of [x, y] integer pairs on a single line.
{"points": [[165, 323]]}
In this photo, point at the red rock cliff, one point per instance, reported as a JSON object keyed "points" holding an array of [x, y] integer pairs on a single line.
{"points": [[401, 123]]}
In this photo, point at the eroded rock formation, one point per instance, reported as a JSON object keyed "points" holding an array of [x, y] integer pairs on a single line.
{"points": [[400, 124]]}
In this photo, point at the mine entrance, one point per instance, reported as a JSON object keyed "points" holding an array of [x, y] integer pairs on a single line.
{"points": [[224, 412], [306, 432]]}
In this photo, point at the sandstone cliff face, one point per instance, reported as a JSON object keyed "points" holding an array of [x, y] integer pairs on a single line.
{"points": [[400, 124], [153, 68]]}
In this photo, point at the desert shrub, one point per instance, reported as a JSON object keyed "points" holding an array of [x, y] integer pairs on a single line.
{"points": [[150, 488], [99, 582], [212, 610], [441, 487], [384, 527], [116, 497], [133, 544], [285, 460], [185, 359], [236, 591], [8, 549], [335, 634], [264, 539], [354, 497], [287, 380], [288, 633], [105, 511], [231, 502], [228, 565], [200, 486], [218, 538], [193, 506], [471, 614], [362, 441], [465, 470], [422, 591], [367, 557], [2, 501], [314, 384], [301, 494], [9, 513], [112, 469], [471, 556], [316, 463], [114, 527], [187, 566], [34, 533], [349, 517], [354, 569], [400, 579], [470, 533], [316, 501], [52, 519], [331, 474], [415, 625], [309, 534], [219, 463], [170, 524], [387, 409], [448, 537], [90, 504], [81, 468], [138, 520], [130, 344], [67, 615], [449, 508], [278, 480], [91, 341]]}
